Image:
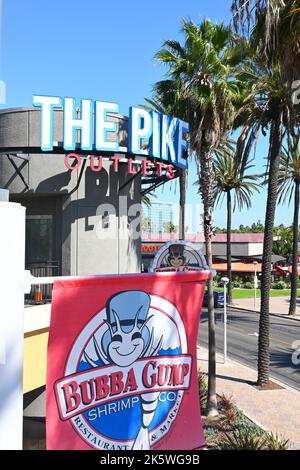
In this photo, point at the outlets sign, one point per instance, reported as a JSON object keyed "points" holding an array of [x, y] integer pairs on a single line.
{"points": [[161, 138]]}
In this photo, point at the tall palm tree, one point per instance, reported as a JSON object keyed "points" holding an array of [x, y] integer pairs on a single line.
{"points": [[275, 25], [182, 202], [273, 33], [270, 108], [203, 66], [289, 186], [230, 179]]}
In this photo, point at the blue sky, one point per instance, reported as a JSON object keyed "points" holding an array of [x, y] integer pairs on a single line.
{"points": [[104, 50]]}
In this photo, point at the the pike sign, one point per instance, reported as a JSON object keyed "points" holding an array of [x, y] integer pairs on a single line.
{"points": [[164, 137], [122, 362]]}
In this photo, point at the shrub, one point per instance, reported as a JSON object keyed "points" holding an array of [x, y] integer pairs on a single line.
{"points": [[210, 433], [242, 439], [274, 442], [229, 411], [229, 416], [279, 285], [248, 285], [202, 384], [226, 402], [251, 437], [246, 425]]}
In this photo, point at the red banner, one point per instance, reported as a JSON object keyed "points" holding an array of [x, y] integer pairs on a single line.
{"points": [[122, 365]]}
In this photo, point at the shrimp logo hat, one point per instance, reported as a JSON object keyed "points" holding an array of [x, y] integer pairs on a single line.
{"points": [[179, 255], [128, 308], [121, 372]]}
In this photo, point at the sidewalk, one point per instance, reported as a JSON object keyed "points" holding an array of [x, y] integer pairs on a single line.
{"points": [[273, 410], [278, 306]]}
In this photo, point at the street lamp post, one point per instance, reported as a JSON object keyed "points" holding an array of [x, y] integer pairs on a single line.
{"points": [[255, 283], [225, 281]]}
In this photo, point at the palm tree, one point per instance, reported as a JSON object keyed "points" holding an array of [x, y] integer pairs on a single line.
{"points": [[273, 33], [203, 68], [230, 179], [270, 107], [182, 201], [275, 26], [289, 186]]}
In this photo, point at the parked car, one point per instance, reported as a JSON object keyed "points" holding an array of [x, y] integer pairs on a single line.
{"points": [[218, 298]]}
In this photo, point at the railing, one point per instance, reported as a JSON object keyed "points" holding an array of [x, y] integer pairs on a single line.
{"points": [[42, 293]]}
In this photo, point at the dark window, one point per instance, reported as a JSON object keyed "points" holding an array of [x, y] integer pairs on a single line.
{"points": [[39, 238]]}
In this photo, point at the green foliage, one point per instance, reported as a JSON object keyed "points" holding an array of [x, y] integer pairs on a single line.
{"points": [[284, 245], [239, 279], [280, 285], [234, 431], [231, 179], [289, 170], [202, 384], [246, 425], [236, 283], [251, 438], [210, 434], [242, 439], [248, 285], [274, 442], [257, 227], [228, 409]]}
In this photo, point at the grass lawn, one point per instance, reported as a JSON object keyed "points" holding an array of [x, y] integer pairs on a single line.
{"points": [[249, 293]]}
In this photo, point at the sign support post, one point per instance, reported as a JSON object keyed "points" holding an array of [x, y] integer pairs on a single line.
{"points": [[225, 281], [255, 283]]}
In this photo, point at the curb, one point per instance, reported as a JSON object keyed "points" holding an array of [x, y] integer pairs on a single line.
{"points": [[238, 363], [278, 315]]}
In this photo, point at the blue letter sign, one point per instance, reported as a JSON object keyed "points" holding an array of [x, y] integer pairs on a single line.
{"points": [[150, 133]]}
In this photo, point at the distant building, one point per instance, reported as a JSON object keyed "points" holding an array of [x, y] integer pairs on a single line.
{"points": [[159, 217], [245, 249]]}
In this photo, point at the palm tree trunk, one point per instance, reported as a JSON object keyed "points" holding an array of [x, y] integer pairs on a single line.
{"points": [[294, 279], [264, 320], [206, 187], [182, 190], [229, 273]]}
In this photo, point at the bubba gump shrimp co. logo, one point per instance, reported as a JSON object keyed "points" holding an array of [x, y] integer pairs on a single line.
{"points": [[126, 373]]}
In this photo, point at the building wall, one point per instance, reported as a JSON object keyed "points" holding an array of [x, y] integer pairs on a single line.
{"points": [[255, 249], [238, 249]]}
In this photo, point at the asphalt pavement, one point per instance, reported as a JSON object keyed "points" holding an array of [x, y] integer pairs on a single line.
{"points": [[242, 342]]}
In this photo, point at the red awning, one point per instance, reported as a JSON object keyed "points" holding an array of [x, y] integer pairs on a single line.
{"points": [[282, 271], [290, 268]]}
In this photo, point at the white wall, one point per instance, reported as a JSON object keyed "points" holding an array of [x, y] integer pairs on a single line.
{"points": [[12, 261], [238, 249]]}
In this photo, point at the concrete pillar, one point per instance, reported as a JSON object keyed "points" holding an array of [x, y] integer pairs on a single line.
{"points": [[12, 260]]}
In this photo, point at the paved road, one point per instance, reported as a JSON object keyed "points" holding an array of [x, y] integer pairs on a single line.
{"points": [[242, 342]]}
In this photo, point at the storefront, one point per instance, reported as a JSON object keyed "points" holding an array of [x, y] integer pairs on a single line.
{"points": [[81, 174]]}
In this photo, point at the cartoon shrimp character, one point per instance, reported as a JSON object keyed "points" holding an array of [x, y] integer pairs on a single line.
{"points": [[127, 339], [176, 257]]}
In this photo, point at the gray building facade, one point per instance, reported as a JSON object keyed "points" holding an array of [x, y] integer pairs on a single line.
{"points": [[80, 221]]}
